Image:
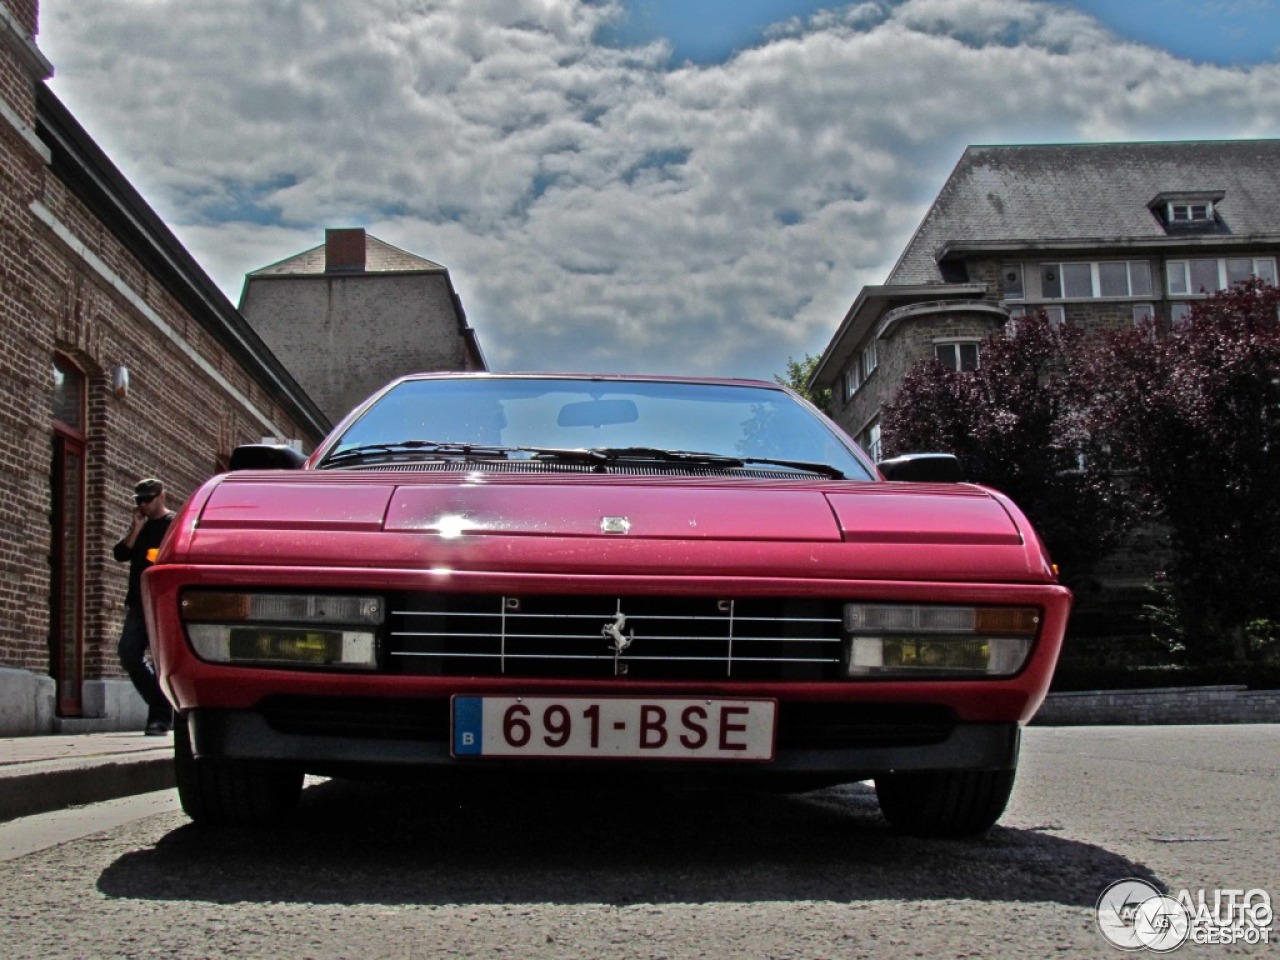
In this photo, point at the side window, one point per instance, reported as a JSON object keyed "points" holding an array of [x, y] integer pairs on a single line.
{"points": [[961, 357], [1051, 281], [1077, 280], [1011, 281], [1204, 276], [869, 439]]}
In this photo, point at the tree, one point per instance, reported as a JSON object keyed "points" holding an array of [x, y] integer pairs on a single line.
{"points": [[797, 378], [1017, 425], [1196, 412]]}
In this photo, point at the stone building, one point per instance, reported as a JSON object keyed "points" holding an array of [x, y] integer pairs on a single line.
{"points": [[351, 315], [119, 359], [1100, 235]]}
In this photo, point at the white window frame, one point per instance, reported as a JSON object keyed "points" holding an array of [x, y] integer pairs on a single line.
{"points": [[1095, 280], [869, 360], [1015, 318], [1007, 269], [1055, 313], [1189, 211], [860, 368], [1143, 313], [1178, 274], [959, 342], [869, 439], [852, 379]]}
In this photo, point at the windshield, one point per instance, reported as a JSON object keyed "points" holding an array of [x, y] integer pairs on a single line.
{"points": [[727, 420]]}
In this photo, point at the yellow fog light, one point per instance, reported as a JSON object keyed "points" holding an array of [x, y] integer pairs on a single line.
{"points": [[937, 641], [284, 646], [336, 631]]}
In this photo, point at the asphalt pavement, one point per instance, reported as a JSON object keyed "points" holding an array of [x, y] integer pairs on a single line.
{"points": [[44, 773]]}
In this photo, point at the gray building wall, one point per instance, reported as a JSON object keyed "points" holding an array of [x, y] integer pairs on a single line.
{"points": [[343, 337]]}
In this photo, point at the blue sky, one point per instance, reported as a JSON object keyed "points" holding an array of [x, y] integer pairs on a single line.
{"points": [[639, 186], [1226, 32]]}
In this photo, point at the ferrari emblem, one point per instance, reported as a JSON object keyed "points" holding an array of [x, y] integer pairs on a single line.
{"points": [[615, 525], [613, 631]]}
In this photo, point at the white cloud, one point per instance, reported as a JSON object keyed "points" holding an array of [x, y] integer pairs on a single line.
{"points": [[601, 208]]}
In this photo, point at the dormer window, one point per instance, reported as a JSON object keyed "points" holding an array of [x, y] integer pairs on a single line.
{"points": [[1188, 211]]}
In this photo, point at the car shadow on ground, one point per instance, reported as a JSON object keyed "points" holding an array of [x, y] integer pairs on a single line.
{"points": [[353, 843]]}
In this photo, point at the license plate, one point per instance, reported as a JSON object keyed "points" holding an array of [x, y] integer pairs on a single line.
{"points": [[661, 728]]}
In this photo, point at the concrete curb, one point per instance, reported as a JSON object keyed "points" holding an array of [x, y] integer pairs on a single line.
{"points": [[29, 789], [1160, 705]]}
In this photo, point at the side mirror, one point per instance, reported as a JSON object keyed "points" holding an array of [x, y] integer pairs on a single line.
{"points": [[923, 468], [266, 456]]}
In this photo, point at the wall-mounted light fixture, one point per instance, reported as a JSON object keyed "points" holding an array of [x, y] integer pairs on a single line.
{"points": [[120, 380]]}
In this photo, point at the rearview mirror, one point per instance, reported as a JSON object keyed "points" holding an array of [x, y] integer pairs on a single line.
{"points": [[597, 413]]}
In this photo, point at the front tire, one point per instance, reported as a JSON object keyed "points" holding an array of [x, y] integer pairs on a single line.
{"points": [[944, 803], [219, 792]]}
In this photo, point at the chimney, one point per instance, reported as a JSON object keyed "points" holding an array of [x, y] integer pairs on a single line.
{"points": [[344, 250]]}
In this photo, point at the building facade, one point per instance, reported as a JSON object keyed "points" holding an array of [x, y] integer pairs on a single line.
{"points": [[1099, 235], [349, 316], [120, 359]]}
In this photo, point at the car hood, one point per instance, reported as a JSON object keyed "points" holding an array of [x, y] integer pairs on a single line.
{"points": [[884, 529]]}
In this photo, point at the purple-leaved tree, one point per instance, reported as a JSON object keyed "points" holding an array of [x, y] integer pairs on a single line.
{"points": [[1195, 412], [1018, 424]]}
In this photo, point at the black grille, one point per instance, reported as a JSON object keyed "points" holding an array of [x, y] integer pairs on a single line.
{"points": [[594, 637], [372, 718], [834, 726]]}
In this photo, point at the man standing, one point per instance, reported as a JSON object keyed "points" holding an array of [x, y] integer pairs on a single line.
{"points": [[151, 519]]}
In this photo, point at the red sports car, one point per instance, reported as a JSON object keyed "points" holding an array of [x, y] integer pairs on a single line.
{"points": [[649, 576]]}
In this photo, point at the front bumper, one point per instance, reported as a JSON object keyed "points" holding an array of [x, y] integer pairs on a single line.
{"points": [[863, 747]]}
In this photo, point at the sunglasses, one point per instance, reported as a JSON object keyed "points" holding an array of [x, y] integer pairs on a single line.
{"points": [[140, 499]]}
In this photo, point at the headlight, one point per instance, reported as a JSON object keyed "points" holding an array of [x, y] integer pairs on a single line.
{"points": [[277, 629], [920, 640]]}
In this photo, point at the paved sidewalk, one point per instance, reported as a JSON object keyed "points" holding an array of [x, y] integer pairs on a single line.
{"points": [[40, 774]]}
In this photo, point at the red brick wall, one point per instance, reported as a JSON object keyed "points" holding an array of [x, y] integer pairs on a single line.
{"points": [[26, 12], [175, 422]]}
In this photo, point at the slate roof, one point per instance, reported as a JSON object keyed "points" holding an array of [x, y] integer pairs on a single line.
{"points": [[1092, 192], [380, 257]]}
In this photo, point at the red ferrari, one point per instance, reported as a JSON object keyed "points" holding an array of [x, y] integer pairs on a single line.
{"points": [[652, 577]]}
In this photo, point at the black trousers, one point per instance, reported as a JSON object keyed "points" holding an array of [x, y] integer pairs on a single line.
{"points": [[133, 644]]}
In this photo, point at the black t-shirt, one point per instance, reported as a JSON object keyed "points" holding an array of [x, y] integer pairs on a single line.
{"points": [[149, 538]]}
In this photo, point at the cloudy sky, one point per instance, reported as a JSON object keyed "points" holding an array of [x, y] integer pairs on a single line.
{"points": [[685, 186]]}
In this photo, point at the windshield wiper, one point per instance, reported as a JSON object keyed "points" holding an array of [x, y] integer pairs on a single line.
{"points": [[666, 456], [593, 456], [454, 449], [403, 447], [808, 466], [711, 459]]}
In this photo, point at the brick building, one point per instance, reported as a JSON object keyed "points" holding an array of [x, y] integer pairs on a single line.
{"points": [[1095, 234], [119, 358], [351, 315]]}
